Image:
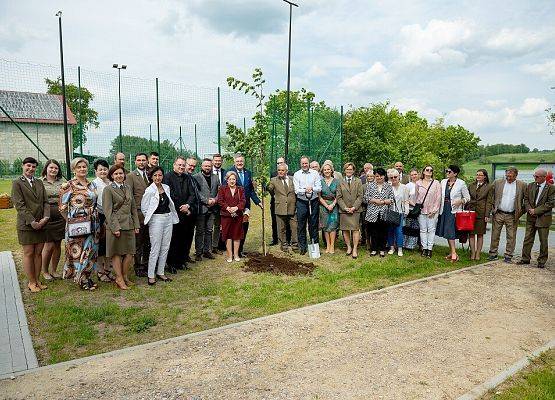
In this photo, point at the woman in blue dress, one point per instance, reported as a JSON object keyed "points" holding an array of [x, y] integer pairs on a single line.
{"points": [[329, 214]]}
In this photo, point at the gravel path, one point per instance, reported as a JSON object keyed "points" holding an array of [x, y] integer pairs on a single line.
{"points": [[427, 340]]}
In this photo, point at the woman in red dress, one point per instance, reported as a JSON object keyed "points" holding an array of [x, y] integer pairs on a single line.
{"points": [[231, 199]]}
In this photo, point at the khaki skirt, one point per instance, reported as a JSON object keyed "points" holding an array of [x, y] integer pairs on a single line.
{"points": [[121, 246], [31, 237], [349, 222], [56, 225]]}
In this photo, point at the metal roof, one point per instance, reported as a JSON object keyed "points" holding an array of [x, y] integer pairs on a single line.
{"points": [[34, 107]]}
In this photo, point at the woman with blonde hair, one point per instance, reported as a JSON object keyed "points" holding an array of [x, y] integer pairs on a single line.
{"points": [[329, 217], [401, 205]]}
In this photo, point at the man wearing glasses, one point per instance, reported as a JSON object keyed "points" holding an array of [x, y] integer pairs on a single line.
{"points": [[539, 200]]}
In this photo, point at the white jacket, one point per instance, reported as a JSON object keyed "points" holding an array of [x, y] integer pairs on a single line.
{"points": [[458, 191], [150, 201]]}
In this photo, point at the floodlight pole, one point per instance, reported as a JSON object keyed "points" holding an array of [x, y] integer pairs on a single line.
{"points": [[66, 132], [291, 4], [119, 68]]}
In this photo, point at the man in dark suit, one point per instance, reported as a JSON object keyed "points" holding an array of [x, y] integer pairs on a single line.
{"points": [[245, 180], [208, 186], [138, 181], [183, 195], [217, 244], [539, 200]]}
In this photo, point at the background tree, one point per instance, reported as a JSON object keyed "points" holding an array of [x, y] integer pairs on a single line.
{"points": [[88, 116]]}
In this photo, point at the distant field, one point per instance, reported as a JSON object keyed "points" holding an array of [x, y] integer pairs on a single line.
{"points": [[517, 158]]}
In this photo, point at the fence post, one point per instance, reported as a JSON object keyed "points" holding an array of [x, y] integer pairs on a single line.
{"points": [[196, 143], [80, 106], [158, 118], [309, 138], [180, 142], [341, 138], [219, 125], [150, 136], [273, 145]]}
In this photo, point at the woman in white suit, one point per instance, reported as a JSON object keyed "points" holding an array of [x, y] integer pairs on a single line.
{"points": [[160, 215], [454, 195]]}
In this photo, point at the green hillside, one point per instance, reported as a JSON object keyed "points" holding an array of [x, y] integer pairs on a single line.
{"points": [[515, 158]]}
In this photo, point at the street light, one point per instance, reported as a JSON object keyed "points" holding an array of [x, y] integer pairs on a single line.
{"points": [[288, 81], [119, 68]]}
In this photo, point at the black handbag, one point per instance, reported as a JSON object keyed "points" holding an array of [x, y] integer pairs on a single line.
{"points": [[417, 209], [393, 217]]}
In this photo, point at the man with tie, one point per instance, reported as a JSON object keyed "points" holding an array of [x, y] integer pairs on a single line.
{"points": [[275, 238], [307, 188], [539, 200], [404, 179], [282, 189], [505, 207], [138, 181], [217, 244], [245, 181]]}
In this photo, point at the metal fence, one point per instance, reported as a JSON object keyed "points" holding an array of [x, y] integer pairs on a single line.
{"points": [[170, 118]]}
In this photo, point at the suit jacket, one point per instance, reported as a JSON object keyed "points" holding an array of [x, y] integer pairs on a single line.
{"points": [[284, 198], [496, 193], [543, 209], [205, 192], [222, 175], [119, 208], [138, 186], [405, 178], [182, 192], [31, 203], [247, 185], [350, 197], [478, 199], [225, 199]]}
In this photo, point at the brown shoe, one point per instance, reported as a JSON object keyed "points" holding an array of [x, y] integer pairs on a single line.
{"points": [[209, 255], [42, 286], [33, 288]]}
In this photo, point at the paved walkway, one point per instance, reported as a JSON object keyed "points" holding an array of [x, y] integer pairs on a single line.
{"points": [[16, 348], [430, 339]]}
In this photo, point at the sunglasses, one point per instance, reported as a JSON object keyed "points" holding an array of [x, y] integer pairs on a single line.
{"points": [[429, 170], [448, 171]]}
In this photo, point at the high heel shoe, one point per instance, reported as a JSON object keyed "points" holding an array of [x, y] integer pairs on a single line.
{"points": [[121, 284], [453, 260], [33, 288], [151, 282]]}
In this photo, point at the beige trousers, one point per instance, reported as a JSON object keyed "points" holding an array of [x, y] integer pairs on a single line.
{"points": [[282, 221], [508, 220]]}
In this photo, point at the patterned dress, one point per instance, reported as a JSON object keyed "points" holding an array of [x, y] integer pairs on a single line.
{"points": [[329, 220], [81, 252]]}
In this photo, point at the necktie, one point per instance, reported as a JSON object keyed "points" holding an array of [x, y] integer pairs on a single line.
{"points": [[349, 182], [241, 177], [537, 194], [145, 177], [285, 183], [217, 171]]}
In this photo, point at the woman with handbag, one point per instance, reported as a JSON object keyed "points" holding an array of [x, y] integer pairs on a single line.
{"points": [[33, 212], [56, 226], [77, 204], [160, 215], [104, 268], [411, 229], [401, 206], [329, 216], [426, 207], [122, 224], [454, 196], [379, 197], [479, 191], [349, 199]]}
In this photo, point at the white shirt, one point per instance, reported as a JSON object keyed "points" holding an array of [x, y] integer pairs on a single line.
{"points": [[540, 190], [100, 185], [217, 172], [507, 203], [302, 179], [30, 181]]}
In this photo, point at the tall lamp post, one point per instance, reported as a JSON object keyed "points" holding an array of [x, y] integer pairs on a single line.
{"points": [[119, 68], [64, 110], [291, 4]]}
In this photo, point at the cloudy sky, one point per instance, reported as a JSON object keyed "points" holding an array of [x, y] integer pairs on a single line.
{"points": [[487, 65]]}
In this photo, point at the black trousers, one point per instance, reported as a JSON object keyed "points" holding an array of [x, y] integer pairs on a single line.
{"points": [[245, 230], [377, 231], [274, 220], [142, 248], [182, 240]]}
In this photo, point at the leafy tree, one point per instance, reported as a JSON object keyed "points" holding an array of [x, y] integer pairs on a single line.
{"points": [[551, 120], [88, 116]]}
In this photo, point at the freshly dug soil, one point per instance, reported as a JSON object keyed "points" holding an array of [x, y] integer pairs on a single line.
{"points": [[277, 265]]}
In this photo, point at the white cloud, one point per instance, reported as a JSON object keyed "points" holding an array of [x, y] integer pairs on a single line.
{"points": [[544, 70], [439, 42], [376, 79], [533, 106], [15, 34], [405, 104], [495, 103], [316, 72], [516, 41]]}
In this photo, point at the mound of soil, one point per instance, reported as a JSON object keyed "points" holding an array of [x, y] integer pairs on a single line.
{"points": [[277, 265]]}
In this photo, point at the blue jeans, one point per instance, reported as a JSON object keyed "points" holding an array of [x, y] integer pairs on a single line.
{"points": [[303, 218], [395, 234]]}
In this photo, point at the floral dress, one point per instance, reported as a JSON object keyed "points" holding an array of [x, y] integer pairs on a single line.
{"points": [[77, 200], [329, 220]]}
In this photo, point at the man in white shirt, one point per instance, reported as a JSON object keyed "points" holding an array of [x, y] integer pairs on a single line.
{"points": [[307, 188], [505, 207]]}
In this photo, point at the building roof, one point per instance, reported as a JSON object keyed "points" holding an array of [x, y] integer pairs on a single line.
{"points": [[34, 107]]}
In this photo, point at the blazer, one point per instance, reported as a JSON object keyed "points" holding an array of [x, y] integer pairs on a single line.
{"points": [[31, 203], [374, 210], [349, 197], [543, 209], [205, 192], [478, 198], [247, 185], [150, 202], [496, 193], [285, 200], [138, 186], [225, 199], [222, 175], [119, 208], [458, 191]]}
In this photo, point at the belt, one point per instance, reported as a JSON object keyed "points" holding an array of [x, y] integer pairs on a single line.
{"points": [[506, 212]]}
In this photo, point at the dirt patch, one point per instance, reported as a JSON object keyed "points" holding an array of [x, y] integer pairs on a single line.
{"points": [[277, 265]]}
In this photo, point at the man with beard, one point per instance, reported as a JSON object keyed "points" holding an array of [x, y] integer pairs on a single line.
{"points": [[208, 186]]}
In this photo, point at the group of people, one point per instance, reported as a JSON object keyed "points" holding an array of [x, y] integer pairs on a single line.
{"points": [[150, 217]]}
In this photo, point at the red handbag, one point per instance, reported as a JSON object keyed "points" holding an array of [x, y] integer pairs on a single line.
{"points": [[465, 220]]}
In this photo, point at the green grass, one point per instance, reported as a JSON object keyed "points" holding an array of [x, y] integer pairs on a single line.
{"points": [[515, 159], [536, 382], [68, 323]]}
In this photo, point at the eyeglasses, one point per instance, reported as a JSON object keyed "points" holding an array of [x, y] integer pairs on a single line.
{"points": [[429, 170], [539, 176], [448, 171], [394, 177]]}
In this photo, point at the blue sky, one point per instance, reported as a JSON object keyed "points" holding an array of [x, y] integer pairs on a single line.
{"points": [[488, 65]]}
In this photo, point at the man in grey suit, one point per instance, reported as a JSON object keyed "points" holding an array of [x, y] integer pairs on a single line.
{"points": [[208, 185]]}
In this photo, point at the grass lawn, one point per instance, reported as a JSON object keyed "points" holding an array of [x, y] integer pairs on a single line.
{"points": [[68, 323], [471, 167], [536, 382]]}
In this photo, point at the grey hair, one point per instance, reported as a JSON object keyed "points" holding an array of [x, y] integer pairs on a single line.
{"points": [[392, 172], [542, 170], [236, 156], [512, 168], [229, 173], [78, 160], [284, 165]]}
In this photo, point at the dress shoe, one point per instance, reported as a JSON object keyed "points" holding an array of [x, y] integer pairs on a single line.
{"points": [[541, 265], [302, 252], [508, 260], [273, 242], [209, 255], [198, 257], [215, 250], [522, 262], [190, 260], [429, 253], [492, 258]]}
